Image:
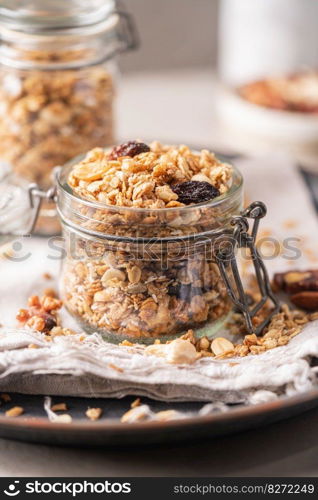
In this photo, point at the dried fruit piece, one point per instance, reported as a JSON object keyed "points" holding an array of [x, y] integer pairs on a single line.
{"points": [[195, 192], [307, 300], [297, 281], [131, 148]]}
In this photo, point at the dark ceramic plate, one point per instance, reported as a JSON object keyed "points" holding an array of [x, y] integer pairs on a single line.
{"points": [[34, 426]]}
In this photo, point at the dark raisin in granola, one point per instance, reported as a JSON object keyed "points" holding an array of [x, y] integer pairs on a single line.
{"points": [[195, 192], [184, 292], [131, 148]]}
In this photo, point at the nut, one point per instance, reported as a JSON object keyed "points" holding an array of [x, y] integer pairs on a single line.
{"points": [[306, 300], [180, 351], [221, 346]]}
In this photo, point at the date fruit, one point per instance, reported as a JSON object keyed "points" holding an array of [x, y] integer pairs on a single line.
{"points": [[306, 300], [293, 282]]}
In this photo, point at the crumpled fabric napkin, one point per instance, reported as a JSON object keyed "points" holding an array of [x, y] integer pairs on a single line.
{"points": [[94, 368]]}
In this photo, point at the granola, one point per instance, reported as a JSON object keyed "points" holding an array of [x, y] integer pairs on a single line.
{"points": [[147, 179], [124, 288], [48, 117]]}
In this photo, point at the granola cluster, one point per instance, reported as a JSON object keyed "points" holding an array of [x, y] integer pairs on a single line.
{"points": [[146, 179], [48, 117]]}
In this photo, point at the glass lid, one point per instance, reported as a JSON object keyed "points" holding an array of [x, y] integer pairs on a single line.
{"points": [[39, 15]]}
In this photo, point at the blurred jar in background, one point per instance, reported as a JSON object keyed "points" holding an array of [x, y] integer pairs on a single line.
{"points": [[57, 82], [268, 66]]}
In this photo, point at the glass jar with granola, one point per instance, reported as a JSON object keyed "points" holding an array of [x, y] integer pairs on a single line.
{"points": [[57, 82], [142, 226]]}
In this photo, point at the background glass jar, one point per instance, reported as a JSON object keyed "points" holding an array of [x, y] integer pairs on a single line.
{"points": [[145, 274], [57, 82]]}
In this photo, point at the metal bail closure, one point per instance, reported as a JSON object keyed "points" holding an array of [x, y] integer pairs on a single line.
{"points": [[227, 263], [37, 196]]}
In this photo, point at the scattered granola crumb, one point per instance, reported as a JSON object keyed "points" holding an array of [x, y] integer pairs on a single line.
{"points": [[126, 343], [33, 346], [50, 292], [16, 411], [139, 413], [47, 276], [59, 407], [115, 367], [63, 419], [166, 415], [135, 403], [94, 413]]}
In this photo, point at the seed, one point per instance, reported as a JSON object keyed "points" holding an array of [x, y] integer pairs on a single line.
{"points": [[220, 345]]}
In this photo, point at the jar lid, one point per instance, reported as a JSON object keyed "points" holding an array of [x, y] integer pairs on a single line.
{"points": [[34, 16]]}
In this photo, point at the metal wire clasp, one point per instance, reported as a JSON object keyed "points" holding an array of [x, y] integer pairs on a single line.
{"points": [[37, 196], [226, 259]]}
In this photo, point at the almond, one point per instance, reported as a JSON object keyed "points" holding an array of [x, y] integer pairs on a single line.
{"points": [[307, 300]]}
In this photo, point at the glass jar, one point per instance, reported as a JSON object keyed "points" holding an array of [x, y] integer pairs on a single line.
{"points": [[58, 81], [146, 274]]}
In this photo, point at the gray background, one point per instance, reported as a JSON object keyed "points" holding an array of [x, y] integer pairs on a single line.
{"points": [[173, 33]]}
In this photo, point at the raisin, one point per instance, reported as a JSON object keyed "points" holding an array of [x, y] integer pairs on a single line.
{"points": [[131, 148], [184, 292], [195, 192]]}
